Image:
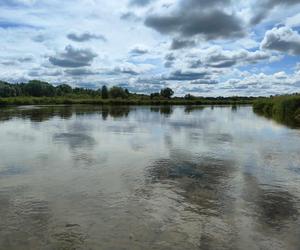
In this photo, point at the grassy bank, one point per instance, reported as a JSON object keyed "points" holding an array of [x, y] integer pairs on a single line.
{"points": [[284, 109], [119, 101]]}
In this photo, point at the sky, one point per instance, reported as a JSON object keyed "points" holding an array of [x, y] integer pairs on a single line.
{"points": [[200, 47]]}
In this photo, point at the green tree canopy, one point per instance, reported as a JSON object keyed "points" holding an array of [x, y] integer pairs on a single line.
{"points": [[64, 89], [117, 92], [38, 88], [167, 92]]}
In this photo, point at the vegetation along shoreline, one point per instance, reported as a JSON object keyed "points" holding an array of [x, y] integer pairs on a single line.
{"points": [[284, 109]]}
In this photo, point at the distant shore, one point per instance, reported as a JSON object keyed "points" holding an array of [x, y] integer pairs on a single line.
{"points": [[118, 101]]}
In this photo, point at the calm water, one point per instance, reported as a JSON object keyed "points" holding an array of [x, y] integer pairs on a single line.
{"points": [[147, 178]]}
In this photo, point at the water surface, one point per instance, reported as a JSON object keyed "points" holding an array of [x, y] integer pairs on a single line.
{"points": [[88, 177]]}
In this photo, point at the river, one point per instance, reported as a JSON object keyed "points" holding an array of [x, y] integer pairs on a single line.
{"points": [[184, 177]]}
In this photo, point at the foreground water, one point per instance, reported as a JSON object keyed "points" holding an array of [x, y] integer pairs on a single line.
{"points": [[87, 177]]}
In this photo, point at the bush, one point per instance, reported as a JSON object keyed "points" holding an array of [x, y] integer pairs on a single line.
{"points": [[117, 92]]}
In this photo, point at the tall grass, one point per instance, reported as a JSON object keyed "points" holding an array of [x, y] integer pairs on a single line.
{"points": [[285, 109]]}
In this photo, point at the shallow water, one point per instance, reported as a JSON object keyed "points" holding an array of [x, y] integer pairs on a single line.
{"points": [[87, 177]]}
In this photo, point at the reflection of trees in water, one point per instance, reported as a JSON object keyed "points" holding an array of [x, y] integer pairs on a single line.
{"points": [[115, 111], [234, 108], [164, 110], [42, 113], [190, 108], [37, 114]]}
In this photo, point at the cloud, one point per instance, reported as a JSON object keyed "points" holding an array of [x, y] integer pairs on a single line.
{"points": [[263, 84], [16, 25], [216, 57], [79, 72], [40, 72], [187, 75], [130, 16], [73, 58], [181, 44], [84, 37], [140, 3], [198, 17], [39, 38], [204, 81], [131, 69], [25, 59], [293, 21], [16, 3], [263, 8], [139, 50], [170, 59], [282, 39]]}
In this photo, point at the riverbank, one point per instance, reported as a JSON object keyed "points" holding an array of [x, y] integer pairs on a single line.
{"points": [[118, 101], [284, 109]]}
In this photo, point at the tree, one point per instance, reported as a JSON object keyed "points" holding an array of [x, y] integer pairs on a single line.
{"points": [[104, 92], [63, 89], [166, 92], [189, 97], [38, 89], [117, 92], [154, 95], [7, 90]]}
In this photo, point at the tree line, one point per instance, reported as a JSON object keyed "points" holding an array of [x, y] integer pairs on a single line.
{"points": [[37, 88]]}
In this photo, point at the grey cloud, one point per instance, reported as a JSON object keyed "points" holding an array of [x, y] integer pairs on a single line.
{"points": [[8, 63], [195, 64], [25, 59], [193, 4], [224, 58], [84, 37], [264, 7], [204, 81], [223, 64], [170, 59], [197, 90], [79, 72], [15, 61], [151, 80], [40, 72], [180, 44], [39, 38], [140, 3], [180, 75], [168, 64], [198, 17], [139, 50], [73, 58], [125, 70], [282, 39], [130, 16]]}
